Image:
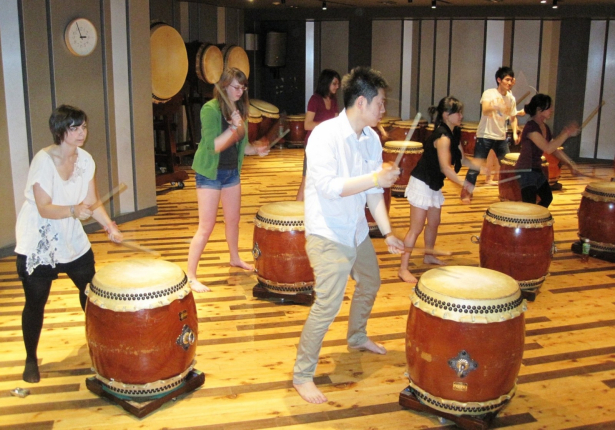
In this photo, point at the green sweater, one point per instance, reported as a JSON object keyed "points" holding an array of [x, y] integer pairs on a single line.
{"points": [[206, 158]]}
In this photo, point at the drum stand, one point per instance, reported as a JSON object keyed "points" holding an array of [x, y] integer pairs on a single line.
{"points": [[259, 291], [577, 248], [407, 399], [194, 379]]}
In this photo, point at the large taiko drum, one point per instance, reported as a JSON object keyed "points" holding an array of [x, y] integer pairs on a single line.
{"points": [[235, 56], [468, 137], [296, 135], [279, 253], [169, 62], [141, 326], [209, 63], [374, 231], [517, 239], [384, 125], [270, 115], [464, 339], [555, 167], [412, 153], [597, 216], [399, 130], [255, 117], [508, 187]]}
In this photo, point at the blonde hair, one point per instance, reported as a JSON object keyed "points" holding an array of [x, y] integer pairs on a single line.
{"points": [[225, 80]]}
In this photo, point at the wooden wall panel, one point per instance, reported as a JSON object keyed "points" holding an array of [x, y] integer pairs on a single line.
{"points": [[467, 64], [387, 57]]}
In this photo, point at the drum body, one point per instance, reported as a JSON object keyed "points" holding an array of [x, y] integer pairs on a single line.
{"points": [[141, 327], [597, 216], [464, 339], [169, 62], [374, 231], [399, 130], [255, 117], [412, 153], [279, 253], [236, 56], [270, 115], [510, 190], [555, 168], [468, 137], [296, 135], [517, 239]]}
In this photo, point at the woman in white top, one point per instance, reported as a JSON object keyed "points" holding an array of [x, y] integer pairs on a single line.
{"points": [[50, 237]]}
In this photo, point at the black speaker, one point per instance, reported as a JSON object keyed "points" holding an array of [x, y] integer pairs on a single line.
{"points": [[275, 50]]}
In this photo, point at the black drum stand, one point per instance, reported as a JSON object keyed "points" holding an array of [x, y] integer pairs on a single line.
{"points": [[259, 291], [601, 253]]}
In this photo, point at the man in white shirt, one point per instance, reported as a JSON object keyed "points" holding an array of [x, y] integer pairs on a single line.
{"points": [[498, 106], [344, 171]]}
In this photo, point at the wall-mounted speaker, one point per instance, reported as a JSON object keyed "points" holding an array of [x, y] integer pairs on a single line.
{"points": [[275, 49]]}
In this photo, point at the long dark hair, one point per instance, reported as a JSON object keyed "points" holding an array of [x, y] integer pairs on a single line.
{"points": [[62, 118], [225, 80], [449, 104], [539, 101], [324, 82]]}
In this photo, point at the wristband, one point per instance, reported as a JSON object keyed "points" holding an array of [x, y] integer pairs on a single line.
{"points": [[375, 178], [232, 127], [108, 227], [72, 211]]}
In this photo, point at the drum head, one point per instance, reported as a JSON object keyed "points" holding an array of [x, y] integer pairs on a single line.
{"points": [[404, 124], [468, 294], [139, 283], [281, 216], [267, 109], [519, 214], [209, 63], [169, 61], [389, 119], [299, 117], [254, 113], [469, 126], [235, 56], [408, 145], [602, 188]]}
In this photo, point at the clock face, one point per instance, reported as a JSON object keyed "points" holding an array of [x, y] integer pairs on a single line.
{"points": [[81, 37]]}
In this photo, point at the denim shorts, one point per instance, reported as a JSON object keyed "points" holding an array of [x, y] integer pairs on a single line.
{"points": [[225, 179]]}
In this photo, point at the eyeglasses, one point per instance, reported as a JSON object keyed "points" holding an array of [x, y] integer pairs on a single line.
{"points": [[239, 88]]}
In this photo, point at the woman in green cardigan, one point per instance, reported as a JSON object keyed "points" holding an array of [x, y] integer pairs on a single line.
{"points": [[217, 163]]}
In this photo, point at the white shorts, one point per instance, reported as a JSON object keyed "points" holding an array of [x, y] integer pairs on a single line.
{"points": [[421, 196]]}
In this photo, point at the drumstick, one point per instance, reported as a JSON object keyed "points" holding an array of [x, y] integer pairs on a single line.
{"points": [[503, 181], [593, 114], [428, 251], [223, 96], [140, 248], [402, 150], [277, 139], [523, 97], [121, 187]]}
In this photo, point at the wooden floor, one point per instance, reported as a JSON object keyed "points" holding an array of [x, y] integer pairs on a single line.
{"points": [[247, 346]]}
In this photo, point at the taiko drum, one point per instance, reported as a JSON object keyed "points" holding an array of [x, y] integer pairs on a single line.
{"points": [[468, 137], [383, 126], [464, 339], [508, 188], [279, 253], [517, 239], [169, 62], [399, 130], [412, 153], [374, 231], [296, 135], [555, 168], [270, 115], [597, 216], [141, 326], [255, 117]]}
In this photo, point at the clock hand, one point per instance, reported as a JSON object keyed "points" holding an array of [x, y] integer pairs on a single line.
{"points": [[79, 30]]}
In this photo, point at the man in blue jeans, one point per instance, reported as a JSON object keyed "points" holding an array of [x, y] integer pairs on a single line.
{"points": [[498, 106]]}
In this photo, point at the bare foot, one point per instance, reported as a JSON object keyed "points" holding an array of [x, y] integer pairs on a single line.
{"points": [[430, 259], [243, 265], [406, 276], [310, 393], [197, 287], [371, 346]]}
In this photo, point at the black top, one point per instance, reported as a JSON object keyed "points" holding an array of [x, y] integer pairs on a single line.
{"points": [[228, 157], [428, 167]]}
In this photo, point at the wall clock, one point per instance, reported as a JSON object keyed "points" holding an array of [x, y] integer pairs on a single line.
{"points": [[81, 37]]}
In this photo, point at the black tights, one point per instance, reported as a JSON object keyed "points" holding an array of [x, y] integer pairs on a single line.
{"points": [[36, 288], [529, 194]]}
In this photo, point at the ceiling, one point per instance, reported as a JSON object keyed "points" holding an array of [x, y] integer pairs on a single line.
{"points": [[311, 4]]}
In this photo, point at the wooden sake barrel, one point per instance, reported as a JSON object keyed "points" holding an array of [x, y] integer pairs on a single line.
{"points": [[464, 339], [508, 188], [412, 153], [597, 216], [517, 239], [296, 135], [399, 130], [141, 327], [270, 115], [236, 56], [374, 231], [555, 167], [279, 253], [468, 137], [169, 62], [255, 117]]}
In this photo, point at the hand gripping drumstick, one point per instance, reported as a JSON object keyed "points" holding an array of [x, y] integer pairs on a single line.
{"points": [[121, 187], [402, 150], [593, 114]]}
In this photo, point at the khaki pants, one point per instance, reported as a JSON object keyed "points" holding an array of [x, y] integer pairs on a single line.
{"points": [[332, 262]]}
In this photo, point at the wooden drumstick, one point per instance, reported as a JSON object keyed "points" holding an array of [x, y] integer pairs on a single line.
{"points": [[223, 96], [427, 251], [523, 97], [402, 150], [503, 181], [137, 247], [277, 139], [593, 114], [121, 187]]}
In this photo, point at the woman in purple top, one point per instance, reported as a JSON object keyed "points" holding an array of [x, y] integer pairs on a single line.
{"points": [[536, 139], [321, 107]]}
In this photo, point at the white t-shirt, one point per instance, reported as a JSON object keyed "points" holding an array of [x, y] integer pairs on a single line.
{"points": [[334, 155], [493, 126], [52, 241]]}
